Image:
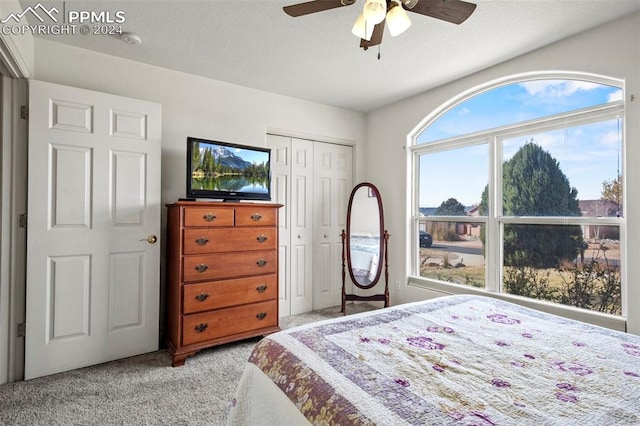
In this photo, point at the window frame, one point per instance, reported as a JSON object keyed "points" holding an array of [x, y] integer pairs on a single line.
{"points": [[494, 221]]}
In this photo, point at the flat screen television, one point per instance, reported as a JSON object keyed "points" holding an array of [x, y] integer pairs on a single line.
{"points": [[227, 171]]}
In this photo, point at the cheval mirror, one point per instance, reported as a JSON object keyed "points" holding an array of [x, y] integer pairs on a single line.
{"points": [[364, 245]]}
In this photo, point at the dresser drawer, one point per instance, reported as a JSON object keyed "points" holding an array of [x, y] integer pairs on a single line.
{"points": [[255, 216], [213, 240], [223, 322], [208, 216], [221, 294], [229, 265]]}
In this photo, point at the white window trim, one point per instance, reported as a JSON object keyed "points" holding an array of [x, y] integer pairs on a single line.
{"points": [[494, 222]]}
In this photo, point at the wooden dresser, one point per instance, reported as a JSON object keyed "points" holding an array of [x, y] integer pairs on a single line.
{"points": [[222, 274]]}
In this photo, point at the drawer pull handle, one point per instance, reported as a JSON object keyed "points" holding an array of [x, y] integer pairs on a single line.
{"points": [[209, 217], [201, 268], [256, 217], [202, 241], [261, 263], [202, 297], [261, 238], [262, 288], [201, 327], [261, 315]]}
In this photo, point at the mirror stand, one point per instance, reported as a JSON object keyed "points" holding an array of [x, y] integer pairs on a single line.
{"points": [[354, 297]]}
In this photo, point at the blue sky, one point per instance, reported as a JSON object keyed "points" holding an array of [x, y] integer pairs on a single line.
{"points": [[250, 155], [256, 157], [588, 155]]}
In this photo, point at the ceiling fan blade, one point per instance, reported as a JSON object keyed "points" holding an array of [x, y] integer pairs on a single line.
{"points": [[376, 37], [454, 11], [314, 6]]}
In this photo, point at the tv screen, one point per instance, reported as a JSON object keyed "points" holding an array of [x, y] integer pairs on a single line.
{"points": [[227, 171]]}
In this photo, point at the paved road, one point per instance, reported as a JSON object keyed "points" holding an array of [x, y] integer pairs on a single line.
{"points": [[457, 248]]}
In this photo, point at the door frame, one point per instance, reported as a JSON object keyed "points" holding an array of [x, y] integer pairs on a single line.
{"points": [[13, 203]]}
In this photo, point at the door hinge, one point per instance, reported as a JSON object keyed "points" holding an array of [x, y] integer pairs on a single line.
{"points": [[24, 112], [22, 220], [22, 329]]}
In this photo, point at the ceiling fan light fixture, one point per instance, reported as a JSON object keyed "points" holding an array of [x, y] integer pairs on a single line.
{"points": [[375, 11], [397, 19], [362, 28]]}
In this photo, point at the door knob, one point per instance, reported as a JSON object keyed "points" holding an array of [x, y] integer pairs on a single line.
{"points": [[151, 239]]}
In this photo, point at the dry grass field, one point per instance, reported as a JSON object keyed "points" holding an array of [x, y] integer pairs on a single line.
{"points": [[453, 262]]}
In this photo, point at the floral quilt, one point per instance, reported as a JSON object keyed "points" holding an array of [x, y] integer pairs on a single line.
{"points": [[456, 360]]}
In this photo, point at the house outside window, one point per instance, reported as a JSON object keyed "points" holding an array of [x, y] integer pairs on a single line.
{"points": [[519, 191]]}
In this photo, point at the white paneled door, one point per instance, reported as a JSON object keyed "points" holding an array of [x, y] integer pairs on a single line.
{"points": [[292, 186], [333, 177], [280, 189], [93, 247], [301, 209]]}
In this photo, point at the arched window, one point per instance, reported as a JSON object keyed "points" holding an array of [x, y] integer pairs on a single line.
{"points": [[519, 190]]}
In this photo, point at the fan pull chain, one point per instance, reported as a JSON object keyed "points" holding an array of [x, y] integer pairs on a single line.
{"points": [[378, 52]]}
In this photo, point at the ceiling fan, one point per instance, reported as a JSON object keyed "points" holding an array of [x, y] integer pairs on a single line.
{"points": [[370, 24]]}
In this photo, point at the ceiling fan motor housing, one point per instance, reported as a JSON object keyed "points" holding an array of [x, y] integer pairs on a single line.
{"points": [[409, 4]]}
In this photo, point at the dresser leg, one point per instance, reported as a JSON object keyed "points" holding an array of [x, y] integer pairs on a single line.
{"points": [[178, 360]]}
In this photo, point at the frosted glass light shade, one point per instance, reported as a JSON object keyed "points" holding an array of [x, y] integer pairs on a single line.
{"points": [[375, 11], [397, 20], [362, 28]]}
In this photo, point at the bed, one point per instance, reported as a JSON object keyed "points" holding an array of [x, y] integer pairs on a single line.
{"points": [[455, 360], [364, 257]]}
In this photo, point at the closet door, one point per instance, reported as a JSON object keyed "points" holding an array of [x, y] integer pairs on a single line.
{"points": [[313, 181], [333, 179], [280, 193], [292, 186], [301, 226]]}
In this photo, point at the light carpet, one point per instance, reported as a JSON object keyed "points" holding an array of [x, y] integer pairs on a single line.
{"points": [[142, 390]]}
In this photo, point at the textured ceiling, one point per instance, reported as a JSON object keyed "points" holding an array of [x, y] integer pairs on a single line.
{"points": [[315, 57]]}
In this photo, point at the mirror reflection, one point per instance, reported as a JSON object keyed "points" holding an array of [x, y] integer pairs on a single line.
{"points": [[364, 236]]}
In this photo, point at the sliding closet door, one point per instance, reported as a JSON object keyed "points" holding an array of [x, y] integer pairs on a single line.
{"points": [[333, 179], [313, 181]]}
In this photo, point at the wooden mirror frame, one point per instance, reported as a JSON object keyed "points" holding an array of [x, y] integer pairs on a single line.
{"points": [[346, 254]]}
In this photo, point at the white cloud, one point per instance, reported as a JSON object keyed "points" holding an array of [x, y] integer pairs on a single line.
{"points": [[615, 96], [611, 138], [464, 111], [557, 88]]}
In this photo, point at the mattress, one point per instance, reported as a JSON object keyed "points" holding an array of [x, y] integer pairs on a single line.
{"points": [[456, 360]]}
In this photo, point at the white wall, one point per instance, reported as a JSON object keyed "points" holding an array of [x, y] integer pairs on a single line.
{"points": [[611, 50], [365, 213], [200, 107], [196, 106]]}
